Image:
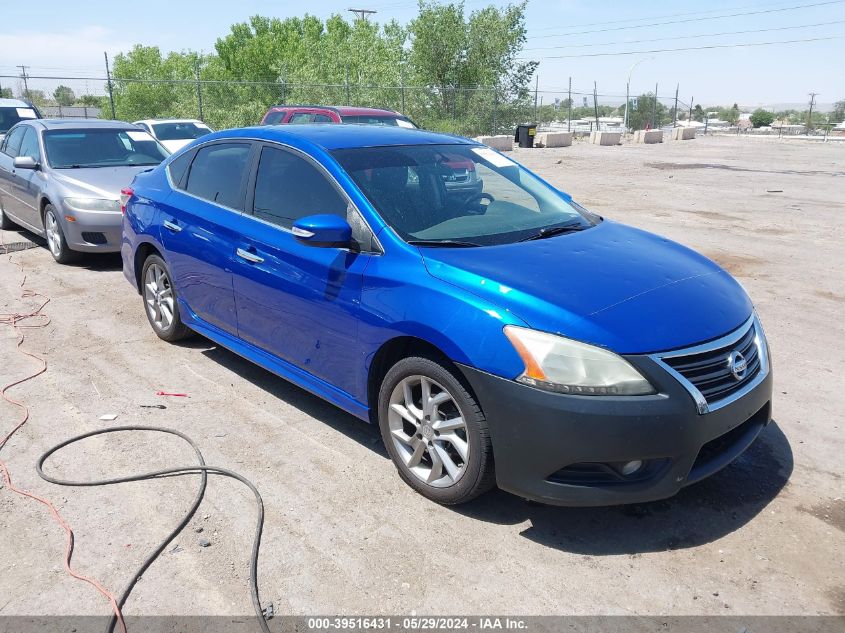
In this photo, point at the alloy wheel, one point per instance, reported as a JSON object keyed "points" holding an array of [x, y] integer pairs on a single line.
{"points": [[428, 431], [54, 237], [158, 295]]}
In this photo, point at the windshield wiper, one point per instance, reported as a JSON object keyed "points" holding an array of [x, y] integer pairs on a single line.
{"points": [[551, 231], [446, 243]]}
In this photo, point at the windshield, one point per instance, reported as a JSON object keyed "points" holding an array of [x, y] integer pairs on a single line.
{"points": [[101, 148], [459, 195], [10, 117], [179, 131], [369, 119]]}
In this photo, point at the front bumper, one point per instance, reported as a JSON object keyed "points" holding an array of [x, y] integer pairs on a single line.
{"points": [[539, 437], [93, 231]]}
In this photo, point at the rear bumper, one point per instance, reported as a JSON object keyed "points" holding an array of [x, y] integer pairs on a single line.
{"points": [[539, 437], [93, 231]]}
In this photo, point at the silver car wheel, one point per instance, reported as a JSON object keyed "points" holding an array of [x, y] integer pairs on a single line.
{"points": [[428, 431], [158, 295], [54, 237]]}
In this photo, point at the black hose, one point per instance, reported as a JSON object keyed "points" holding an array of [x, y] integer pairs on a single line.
{"points": [[199, 469]]}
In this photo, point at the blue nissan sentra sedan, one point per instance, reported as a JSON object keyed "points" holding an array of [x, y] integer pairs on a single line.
{"points": [[506, 336]]}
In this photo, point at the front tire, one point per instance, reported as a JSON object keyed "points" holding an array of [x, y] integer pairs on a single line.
{"points": [[435, 432], [56, 242], [160, 303]]}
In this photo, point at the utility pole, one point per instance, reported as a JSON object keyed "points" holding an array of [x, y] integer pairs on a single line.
{"points": [[348, 101], [654, 110], [569, 101], [810, 113], [108, 81], [25, 85], [536, 90], [675, 111], [689, 120], [362, 13], [596, 105]]}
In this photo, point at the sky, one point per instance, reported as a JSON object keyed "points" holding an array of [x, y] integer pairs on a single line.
{"points": [[566, 36]]}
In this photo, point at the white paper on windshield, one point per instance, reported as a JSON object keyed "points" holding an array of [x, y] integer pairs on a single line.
{"points": [[26, 113], [138, 136], [404, 123], [494, 158]]}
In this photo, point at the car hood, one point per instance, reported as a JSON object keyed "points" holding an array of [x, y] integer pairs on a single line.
{"points": [[612, 285], [100, 182], [173, 146]]}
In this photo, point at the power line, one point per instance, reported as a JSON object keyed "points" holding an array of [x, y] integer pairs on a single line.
{"points": [[655, 17], [696, 48], [713, 17], [684, 37]]}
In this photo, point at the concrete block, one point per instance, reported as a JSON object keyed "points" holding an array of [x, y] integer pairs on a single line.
{"points": [[648, 136], [605, 138], [554, 139], [683, 133], [500, 142]]}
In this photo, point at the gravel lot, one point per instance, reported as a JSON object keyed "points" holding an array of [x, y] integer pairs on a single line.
{"points": [[343, 534]]}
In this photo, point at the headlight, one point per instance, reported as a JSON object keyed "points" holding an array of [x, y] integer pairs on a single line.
{"points": [[560, 364], [93, 204]]}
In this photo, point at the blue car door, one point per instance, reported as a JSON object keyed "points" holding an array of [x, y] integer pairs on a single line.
{"points": [[199, 231], [298, 302]]}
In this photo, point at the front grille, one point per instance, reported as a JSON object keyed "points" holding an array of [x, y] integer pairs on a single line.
{"points": [[710, 371]]}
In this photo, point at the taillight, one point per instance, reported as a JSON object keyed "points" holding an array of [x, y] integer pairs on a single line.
{"points": [[125, 194]]}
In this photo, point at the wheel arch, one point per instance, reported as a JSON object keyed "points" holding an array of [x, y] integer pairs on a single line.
{"points": [[144, 250], [394, 350]]}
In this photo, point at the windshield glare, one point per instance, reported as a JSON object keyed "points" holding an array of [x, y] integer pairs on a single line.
{"points": [[101, 148], [179, 131], [457, 193]]}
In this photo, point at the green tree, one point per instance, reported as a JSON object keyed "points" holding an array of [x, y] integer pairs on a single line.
{"points": [[92, 101], [648, 106], [762, 118], [838, 113], [64, 96]]}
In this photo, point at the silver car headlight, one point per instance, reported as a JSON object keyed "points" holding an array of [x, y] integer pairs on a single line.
{"points": [[92, 204], [560, 364]]}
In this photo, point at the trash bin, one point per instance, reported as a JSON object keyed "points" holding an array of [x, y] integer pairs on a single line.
{"points": [[524, 134]]}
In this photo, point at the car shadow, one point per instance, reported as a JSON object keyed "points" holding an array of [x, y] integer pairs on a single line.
{"points": [[362, 432], [100, 262], [699, 514]]}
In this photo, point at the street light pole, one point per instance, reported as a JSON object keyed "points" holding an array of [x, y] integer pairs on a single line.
{"points": [[628, 87]]}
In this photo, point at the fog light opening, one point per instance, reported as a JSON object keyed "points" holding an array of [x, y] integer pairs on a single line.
{"points": [[629, 468]]}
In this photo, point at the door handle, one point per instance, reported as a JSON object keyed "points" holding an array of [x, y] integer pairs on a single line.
{"points": [[172, 226], [250, 257]]}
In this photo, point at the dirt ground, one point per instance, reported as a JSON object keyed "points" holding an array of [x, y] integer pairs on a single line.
{"points": [[343, 534]]}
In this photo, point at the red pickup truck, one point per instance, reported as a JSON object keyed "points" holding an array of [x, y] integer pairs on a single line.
{"points": [[284, 114]]}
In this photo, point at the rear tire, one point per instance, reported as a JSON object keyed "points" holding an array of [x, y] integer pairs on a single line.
{"points": [[435, 432], [160, 302], [56, 242]]}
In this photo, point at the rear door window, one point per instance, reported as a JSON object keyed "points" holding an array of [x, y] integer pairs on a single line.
{"points": [[218, 173], [302, 117], [274, 118], [12, 144]]}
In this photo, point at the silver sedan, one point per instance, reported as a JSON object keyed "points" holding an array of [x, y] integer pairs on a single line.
{"points": [[62, 179]]}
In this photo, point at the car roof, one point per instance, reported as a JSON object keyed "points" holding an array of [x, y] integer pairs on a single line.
{"points": [[341, 110], [13, 103], [84, 124], [331, 137]]}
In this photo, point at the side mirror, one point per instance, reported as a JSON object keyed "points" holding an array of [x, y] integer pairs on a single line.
{"points": [[25, 162], [324, 230]]}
